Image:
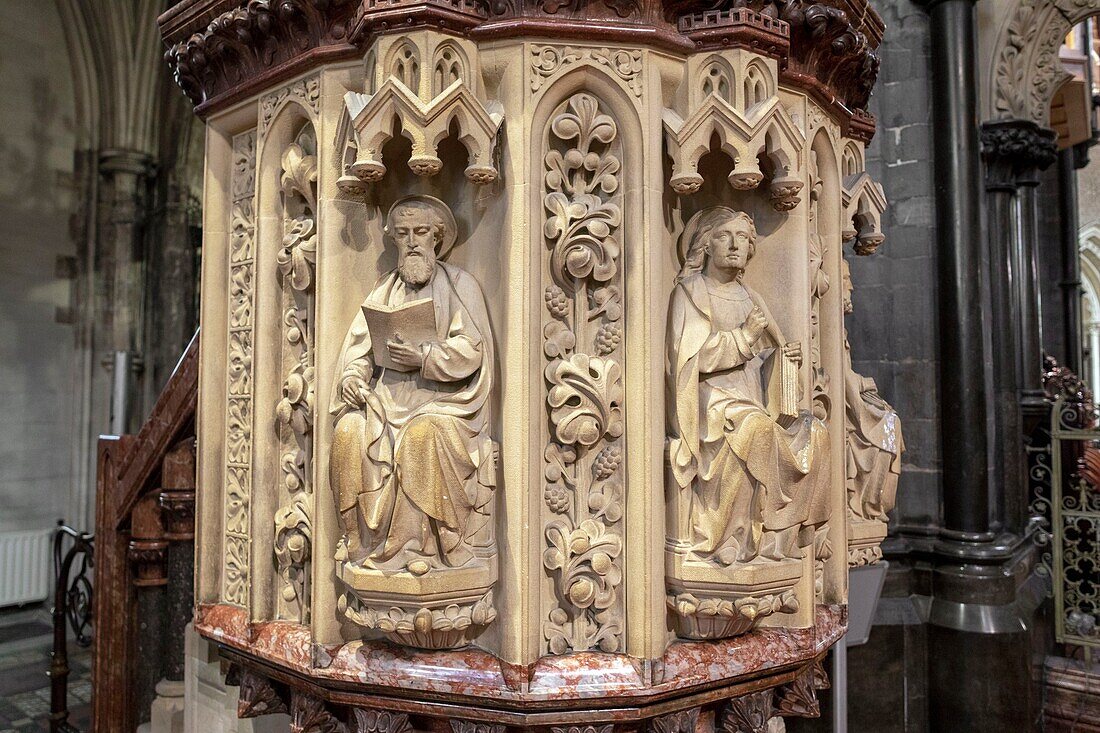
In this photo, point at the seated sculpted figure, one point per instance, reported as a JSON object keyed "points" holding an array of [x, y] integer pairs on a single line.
{"points": [[754, 484], [875, 444], [411, 463]]}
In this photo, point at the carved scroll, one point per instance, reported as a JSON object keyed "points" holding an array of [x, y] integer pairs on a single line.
{"points": [[296, 262], [582, 329], [238, 418]]}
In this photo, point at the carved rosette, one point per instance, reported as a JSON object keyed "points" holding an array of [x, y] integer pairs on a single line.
{"points": [[582, 329], [238, 419]]}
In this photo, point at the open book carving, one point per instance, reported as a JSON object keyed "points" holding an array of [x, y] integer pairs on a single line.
{"points": [[412, 322]]}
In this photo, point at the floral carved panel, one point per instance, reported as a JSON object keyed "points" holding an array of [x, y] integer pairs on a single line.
{"points": [[238, 437], [582, 329]]}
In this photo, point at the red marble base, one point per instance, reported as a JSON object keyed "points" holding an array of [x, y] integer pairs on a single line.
{"points": [[763, 673]]}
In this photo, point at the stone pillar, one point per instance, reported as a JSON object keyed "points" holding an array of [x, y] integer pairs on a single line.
{"points": [[964, 378], [119, 300], [1069, 161], [1014, 152], [975, 612]]}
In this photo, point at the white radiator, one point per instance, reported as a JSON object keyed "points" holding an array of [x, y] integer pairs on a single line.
{"points": [[25, 566]]}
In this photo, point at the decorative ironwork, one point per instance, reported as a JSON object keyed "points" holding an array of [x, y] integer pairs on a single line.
{"points": [[1075, 521], [72, 610]]}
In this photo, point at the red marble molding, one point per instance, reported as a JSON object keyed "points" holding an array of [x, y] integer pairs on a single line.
{"points": [[474, 673]]}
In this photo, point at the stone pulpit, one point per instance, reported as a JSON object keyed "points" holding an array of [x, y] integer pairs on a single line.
{"points": [[526, 400]]}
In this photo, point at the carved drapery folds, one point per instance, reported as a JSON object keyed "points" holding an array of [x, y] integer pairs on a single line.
{"points": [[734, 99], [874, 445], [294, 414], [583, 333], [431, 101], [238, 405], [413, 467]]}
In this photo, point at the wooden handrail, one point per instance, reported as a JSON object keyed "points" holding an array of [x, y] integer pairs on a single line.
{"points": [[127, 487]]}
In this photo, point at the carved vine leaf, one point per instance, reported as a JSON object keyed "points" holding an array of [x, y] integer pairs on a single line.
{"points": [[299, 174], [581, 231], [295, 409], [584, 398], [297, 258], [584, 556], [559, 485], [293, 542]]}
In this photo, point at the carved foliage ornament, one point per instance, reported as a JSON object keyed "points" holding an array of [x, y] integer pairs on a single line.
{"points": [[583, 334], [548, 61], [247, 40], [238, 438], [257, 697], [294, 414], [1027, 71]]}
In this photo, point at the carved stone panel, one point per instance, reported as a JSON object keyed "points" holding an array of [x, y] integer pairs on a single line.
{"points": [[874, 448], [413, 466], [238, 405], [296, 263], [582, 343], [749, 467]]}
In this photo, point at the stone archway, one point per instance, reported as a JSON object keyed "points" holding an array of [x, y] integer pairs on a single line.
{"points": [[1019, 42]]}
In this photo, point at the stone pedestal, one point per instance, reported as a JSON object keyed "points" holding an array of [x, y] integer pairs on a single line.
{"points": [[525, 395]]}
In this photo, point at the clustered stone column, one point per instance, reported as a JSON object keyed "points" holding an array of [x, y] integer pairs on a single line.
{"points": [[526, 391]]}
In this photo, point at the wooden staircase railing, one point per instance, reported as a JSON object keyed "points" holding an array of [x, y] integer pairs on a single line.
{"points": [[145, 494]]}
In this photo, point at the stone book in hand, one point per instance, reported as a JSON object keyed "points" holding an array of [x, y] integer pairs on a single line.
{"points": [[412, 322]]}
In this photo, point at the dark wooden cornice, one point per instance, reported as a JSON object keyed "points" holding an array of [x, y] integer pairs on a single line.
{"points": [[222, 51]]}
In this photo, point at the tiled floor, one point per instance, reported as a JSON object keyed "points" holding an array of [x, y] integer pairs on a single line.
{"points": [[24, 684]]}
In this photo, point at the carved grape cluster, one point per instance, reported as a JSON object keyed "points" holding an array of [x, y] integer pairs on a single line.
{"points": [[607, 462], [608, 338], [556, 302]]}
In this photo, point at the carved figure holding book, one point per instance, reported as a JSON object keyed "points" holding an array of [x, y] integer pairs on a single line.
{"points": [[412, 460], [750, 468]]}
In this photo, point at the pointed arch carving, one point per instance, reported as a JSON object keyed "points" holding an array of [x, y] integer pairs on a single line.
{"points": [[403, 64], [449, 65], [758, 86], [864, 204], [426, 125], [718, 78], [767, 131]]}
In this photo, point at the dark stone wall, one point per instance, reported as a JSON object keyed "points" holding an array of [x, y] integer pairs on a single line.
{"points": [[893, 331]]}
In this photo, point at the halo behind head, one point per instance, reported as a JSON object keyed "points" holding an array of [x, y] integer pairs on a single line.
{"points": [[450, 226], [705, 220]]}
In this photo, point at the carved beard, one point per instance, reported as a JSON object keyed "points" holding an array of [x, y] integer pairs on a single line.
{"points": [[415, 270]]}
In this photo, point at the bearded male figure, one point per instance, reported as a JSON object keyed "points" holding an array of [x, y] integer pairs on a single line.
{"points": [[754, 484], [412, 460]]}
